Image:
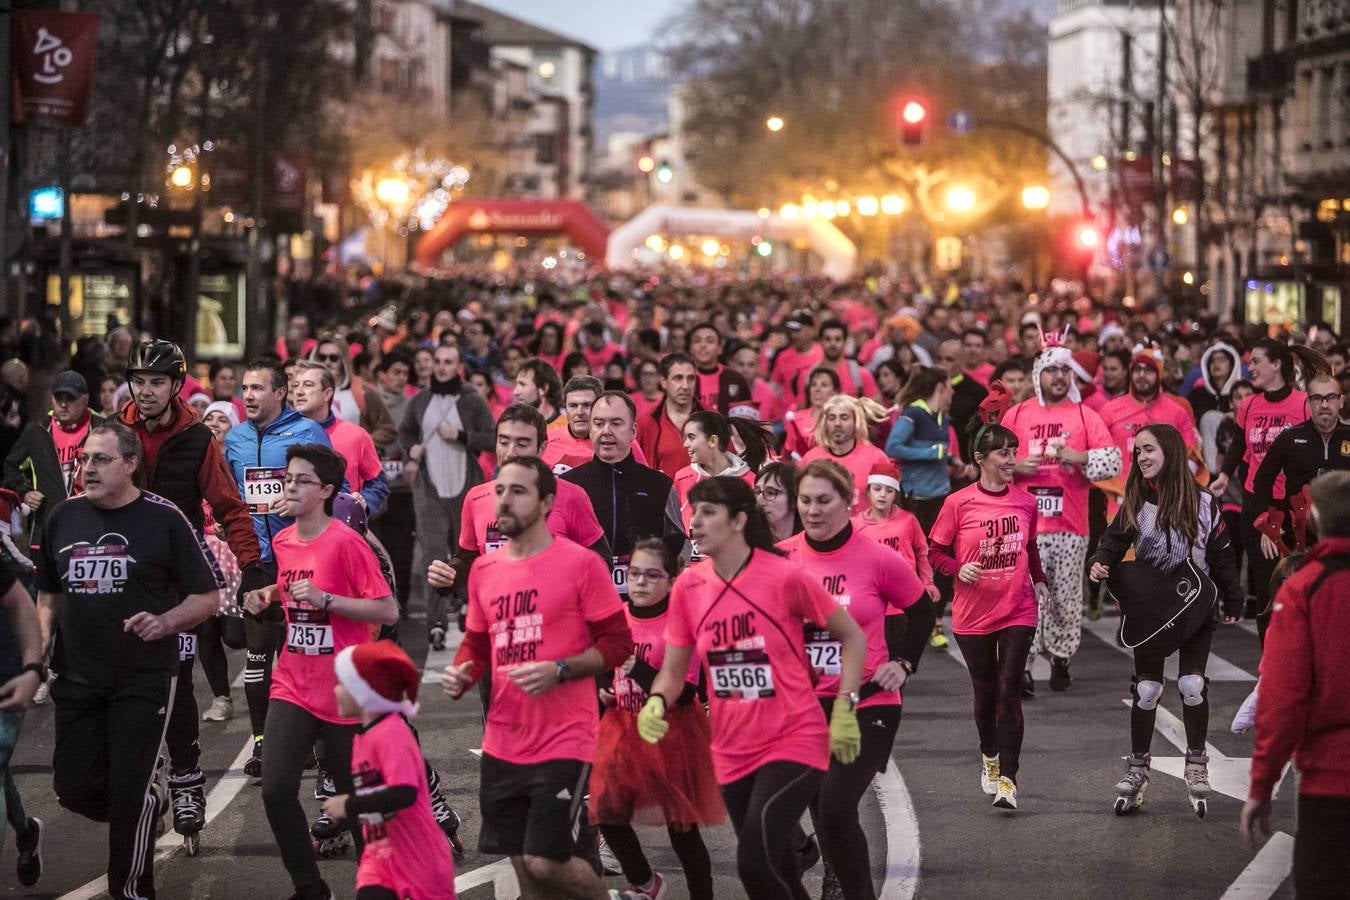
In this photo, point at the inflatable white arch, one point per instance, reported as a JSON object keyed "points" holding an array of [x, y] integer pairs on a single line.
{"points": [[839, 256]]}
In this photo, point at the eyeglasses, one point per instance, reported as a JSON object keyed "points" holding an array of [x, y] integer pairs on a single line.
{"points": [[98, 460], [1323, 398], [300, 480], [769, 494], [652, 575], [328, 357]]}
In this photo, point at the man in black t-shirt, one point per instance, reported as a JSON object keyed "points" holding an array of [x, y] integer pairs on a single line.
{"points": [[123, 573]]}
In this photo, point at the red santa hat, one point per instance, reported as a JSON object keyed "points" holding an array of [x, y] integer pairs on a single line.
{"points": [[380, 677], [885, 473]]}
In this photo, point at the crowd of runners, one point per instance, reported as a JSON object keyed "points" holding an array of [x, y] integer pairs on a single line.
{"points": [[689, 535]]}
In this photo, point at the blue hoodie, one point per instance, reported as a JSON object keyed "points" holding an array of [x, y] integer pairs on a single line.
{"points": [[920, 440], [246, 448]]}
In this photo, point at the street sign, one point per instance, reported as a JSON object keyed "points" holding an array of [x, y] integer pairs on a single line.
{"points": [[1159, 259], [961, 121]]}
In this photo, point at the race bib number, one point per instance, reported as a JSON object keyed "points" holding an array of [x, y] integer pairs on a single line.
{"points": [[187, 646], [694, 554], [99, 569], [1049, 501], [493, 540], [740, 674], [393, 469], [823, 651], [618, 570], [263, 486], [309, 632]]}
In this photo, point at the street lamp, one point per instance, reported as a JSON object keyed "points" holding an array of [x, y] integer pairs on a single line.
{"points": [[181, 177], [774, 123], [868, 205], [959, 199], [892, 204], [1035, 196], [392, 192], [1180, 215]]}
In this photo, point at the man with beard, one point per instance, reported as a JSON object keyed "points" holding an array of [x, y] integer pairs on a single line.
{"points": [[854, 380], [1145, 404], [537, 384], [1063, 447]]}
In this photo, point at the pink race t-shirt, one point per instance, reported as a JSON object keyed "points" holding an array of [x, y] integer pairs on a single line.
{"points": [[709, 387], [867, 580], [565, 451], [748, 633], [1060, 489], [539, 609], [686, 478], [353, 444], [789, 363], [572, 517], [1125, 415], [859, 462], [337, 561], [68, 443], [865, 386], [903, 534], [649, 646], [1261, 422], [993, 530], [406, 851]]}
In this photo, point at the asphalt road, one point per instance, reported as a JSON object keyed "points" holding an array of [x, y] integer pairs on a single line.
{"points": [[1063, 842]]}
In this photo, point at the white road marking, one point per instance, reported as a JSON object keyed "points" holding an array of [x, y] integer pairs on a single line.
{"points": [[902, 835], [500, 874], [1217, 669], [226, 789], [1266, 872]]}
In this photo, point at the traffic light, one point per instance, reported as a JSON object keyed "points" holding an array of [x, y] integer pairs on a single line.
{"points": [[1086, 237], [664, 173], [646, 164], [913, 122]]}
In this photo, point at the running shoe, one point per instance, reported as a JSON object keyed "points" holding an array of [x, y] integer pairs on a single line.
{"points": [[30, 853], [1246, 714], [1007, 794], [808, 854], [322, 892], [437, 638], [221, 710], [939, 638], [652, 890], [253, 765], [1059, 674], [989, 774]]}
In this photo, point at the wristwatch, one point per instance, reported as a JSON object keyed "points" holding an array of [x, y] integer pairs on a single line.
{"points": [[327, 600], [852, 697], [904, 664], [564, 670], [37, 667]]}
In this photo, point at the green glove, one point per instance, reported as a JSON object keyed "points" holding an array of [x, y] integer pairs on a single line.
{"points": [[651, 723], [845, 736]]}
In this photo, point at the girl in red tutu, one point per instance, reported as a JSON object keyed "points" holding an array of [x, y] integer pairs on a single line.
{"points": [[634, 782]]}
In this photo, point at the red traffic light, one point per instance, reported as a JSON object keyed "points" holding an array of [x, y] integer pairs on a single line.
{"points": [[645, 163], [1087, 237], [913, 112]]}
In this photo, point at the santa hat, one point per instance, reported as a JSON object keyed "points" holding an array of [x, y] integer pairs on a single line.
{"points": [[380, 677], [886, 474]]}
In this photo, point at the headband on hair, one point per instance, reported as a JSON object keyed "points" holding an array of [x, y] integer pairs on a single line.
{"points": [[975, 444]]}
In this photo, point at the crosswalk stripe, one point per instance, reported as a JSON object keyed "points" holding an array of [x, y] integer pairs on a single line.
{"points": [[1217, 669]]}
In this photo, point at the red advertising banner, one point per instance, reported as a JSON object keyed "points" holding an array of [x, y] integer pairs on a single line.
{"points": [[1136, 181], [53, 65], [1186, 180], [286, 181]]}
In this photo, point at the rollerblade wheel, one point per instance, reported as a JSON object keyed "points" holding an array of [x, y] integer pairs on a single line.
{"points": [[1122, 806], [192, 843], [1201, 806]]}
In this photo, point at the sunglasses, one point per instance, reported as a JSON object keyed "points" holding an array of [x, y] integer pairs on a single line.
{"points": [[329, 357]]}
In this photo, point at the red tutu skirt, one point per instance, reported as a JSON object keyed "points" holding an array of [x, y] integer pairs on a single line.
{"points": [[668, 783]]}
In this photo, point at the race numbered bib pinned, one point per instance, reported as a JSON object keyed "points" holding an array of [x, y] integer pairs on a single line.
{"points": [[493, 540], [187, 646], [393, 469], [263, 486], [98, 569], [740, 674], [308, 631], [823, 651], [1049, 501], [618, 570]]}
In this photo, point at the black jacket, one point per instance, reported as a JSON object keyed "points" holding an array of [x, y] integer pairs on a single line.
{"points": [[632, 502], [1302, 454], [43, 470], [967, 395]]}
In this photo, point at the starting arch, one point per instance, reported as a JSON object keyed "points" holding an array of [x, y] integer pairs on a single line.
{"points": [[509, 216]]}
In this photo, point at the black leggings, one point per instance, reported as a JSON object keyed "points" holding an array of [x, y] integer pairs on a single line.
{"points": [[1259, 569], [264, 638], [211, 652], [689, 847], [375, 892], [1321, 865], [290, 735], [834, 811], [1194, 655], [926, 511], [764, 807], [996, 662]]}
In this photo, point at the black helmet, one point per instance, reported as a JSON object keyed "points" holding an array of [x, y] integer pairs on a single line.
{"points": [[160, 357]]}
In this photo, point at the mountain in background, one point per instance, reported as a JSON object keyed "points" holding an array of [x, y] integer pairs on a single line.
{"points": [[631, 89]]}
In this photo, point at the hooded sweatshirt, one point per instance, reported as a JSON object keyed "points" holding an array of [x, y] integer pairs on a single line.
{"points": [[693, 473]]}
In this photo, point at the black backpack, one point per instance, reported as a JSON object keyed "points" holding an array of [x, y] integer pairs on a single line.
{"points": [[1161, 610]]}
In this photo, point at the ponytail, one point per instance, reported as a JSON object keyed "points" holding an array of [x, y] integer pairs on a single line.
{"points": [[1298, 364]]}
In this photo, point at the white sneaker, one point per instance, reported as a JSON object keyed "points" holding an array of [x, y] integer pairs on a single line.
{"points": [[44, 692], [989, 774], [221, 710], [1007, 794], [1246, 714]]}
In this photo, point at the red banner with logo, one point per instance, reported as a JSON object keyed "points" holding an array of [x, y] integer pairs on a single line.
{"points": [[53, 65], [1136, 181], [287, 177]]}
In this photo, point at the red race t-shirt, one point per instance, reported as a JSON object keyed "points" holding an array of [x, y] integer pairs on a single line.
{"points": [[994, 531], [406, 851], [572, 517], [869, 581], [748, 633], [538, 609], [68, 449], [337, 561], [1061, 490], [859, 462], [1261, 422], [903, 534]]}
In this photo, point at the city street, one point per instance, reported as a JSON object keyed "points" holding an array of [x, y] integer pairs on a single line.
{"points": [[932, 833]]}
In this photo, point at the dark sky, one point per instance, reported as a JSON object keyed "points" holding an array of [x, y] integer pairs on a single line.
{"points": [[604, 24]]}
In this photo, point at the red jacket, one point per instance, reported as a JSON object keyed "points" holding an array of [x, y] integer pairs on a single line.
{"points": [[1304, 707], [661, 442]]}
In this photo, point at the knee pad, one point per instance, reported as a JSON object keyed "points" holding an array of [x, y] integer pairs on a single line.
{"points": [[1193, 689], [1147, 693]]}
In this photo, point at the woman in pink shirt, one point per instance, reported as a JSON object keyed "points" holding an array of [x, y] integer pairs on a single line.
{"points": [[637, 782], [707, 440], [985, 537], [875, 586], [771, 745]]}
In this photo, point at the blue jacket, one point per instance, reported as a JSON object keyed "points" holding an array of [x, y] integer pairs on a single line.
{"points": [[246, 448], [920, 441]]}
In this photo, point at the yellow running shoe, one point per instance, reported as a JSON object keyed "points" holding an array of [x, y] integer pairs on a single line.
{"points": [[1007, 794], [939, 638]]}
